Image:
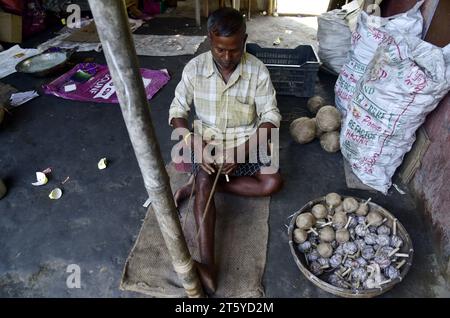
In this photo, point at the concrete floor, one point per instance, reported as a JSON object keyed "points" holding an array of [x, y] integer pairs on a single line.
{"points": [[98, 218]]}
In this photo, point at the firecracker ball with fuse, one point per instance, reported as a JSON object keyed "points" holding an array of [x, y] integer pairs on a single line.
{"points": [[353, 247]]}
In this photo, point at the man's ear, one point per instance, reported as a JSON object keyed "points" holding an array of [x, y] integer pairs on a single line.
{"points": [[245, 38]]}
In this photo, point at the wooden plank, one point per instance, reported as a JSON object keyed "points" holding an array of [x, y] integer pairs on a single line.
{"points": [[413, 159], [437, 31]]}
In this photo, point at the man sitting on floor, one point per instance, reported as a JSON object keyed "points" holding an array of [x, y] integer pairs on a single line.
{"points": [[234, 102]]}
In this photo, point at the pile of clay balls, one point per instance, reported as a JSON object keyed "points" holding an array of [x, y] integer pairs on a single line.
{"points": [[325, 125], [348, 245]]}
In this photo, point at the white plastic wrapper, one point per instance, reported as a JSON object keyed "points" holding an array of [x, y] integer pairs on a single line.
{"points": [[405, 81], [55, 194], [370, 32], [334, 38], [41, 179], [102, 164]]}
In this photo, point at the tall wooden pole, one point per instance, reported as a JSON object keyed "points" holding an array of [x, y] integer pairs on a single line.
{"points": [[114, 32]]}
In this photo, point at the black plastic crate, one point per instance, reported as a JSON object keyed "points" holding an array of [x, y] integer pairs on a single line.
{"points": [[293, 71]]}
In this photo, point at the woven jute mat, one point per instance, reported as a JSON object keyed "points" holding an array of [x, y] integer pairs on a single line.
{"points": [[241, 244]]}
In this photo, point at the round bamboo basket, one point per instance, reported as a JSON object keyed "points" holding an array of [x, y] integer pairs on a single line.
{"points": [[299, 257]]}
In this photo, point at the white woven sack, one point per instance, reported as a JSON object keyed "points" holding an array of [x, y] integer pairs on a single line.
{"points": [[405, 81], [369, 33], [334, 38]]}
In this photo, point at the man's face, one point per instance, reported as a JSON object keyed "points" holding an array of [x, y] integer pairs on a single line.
{"points": [[227, 51]]}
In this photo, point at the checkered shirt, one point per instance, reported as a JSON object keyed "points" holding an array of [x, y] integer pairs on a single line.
{"points": [[230, 112]]}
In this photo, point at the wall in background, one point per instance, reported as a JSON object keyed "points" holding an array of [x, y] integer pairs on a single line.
{"points": [[306, 7], [431, 182]]}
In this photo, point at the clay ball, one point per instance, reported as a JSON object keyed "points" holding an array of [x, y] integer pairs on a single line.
{"points": [[315, 103], [328, 118], [339, 220], [333, 199], [325, 250], [374, 218], [319, 211], [327, 234], [339, 208], [303, 130], [350, 205], [330, 141], [300, 236], [305, 221], [363, 209], [342, 235]]}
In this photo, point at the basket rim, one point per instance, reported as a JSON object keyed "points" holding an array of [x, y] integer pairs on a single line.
{"points": [[338, 291]]}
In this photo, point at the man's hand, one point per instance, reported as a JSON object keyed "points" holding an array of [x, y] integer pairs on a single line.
{"points": [[207, 163], [207, 167], [228, 168], [229, 162], [210, 166]]}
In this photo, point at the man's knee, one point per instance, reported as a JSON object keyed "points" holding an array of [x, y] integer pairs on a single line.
{"points": [[271, 183]]}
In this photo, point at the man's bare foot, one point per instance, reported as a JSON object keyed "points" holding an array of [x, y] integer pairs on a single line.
{"points": [[207, 275], [184, 192]]}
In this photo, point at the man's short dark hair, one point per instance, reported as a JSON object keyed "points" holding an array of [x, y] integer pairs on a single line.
{"points": [[226, 22]]}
